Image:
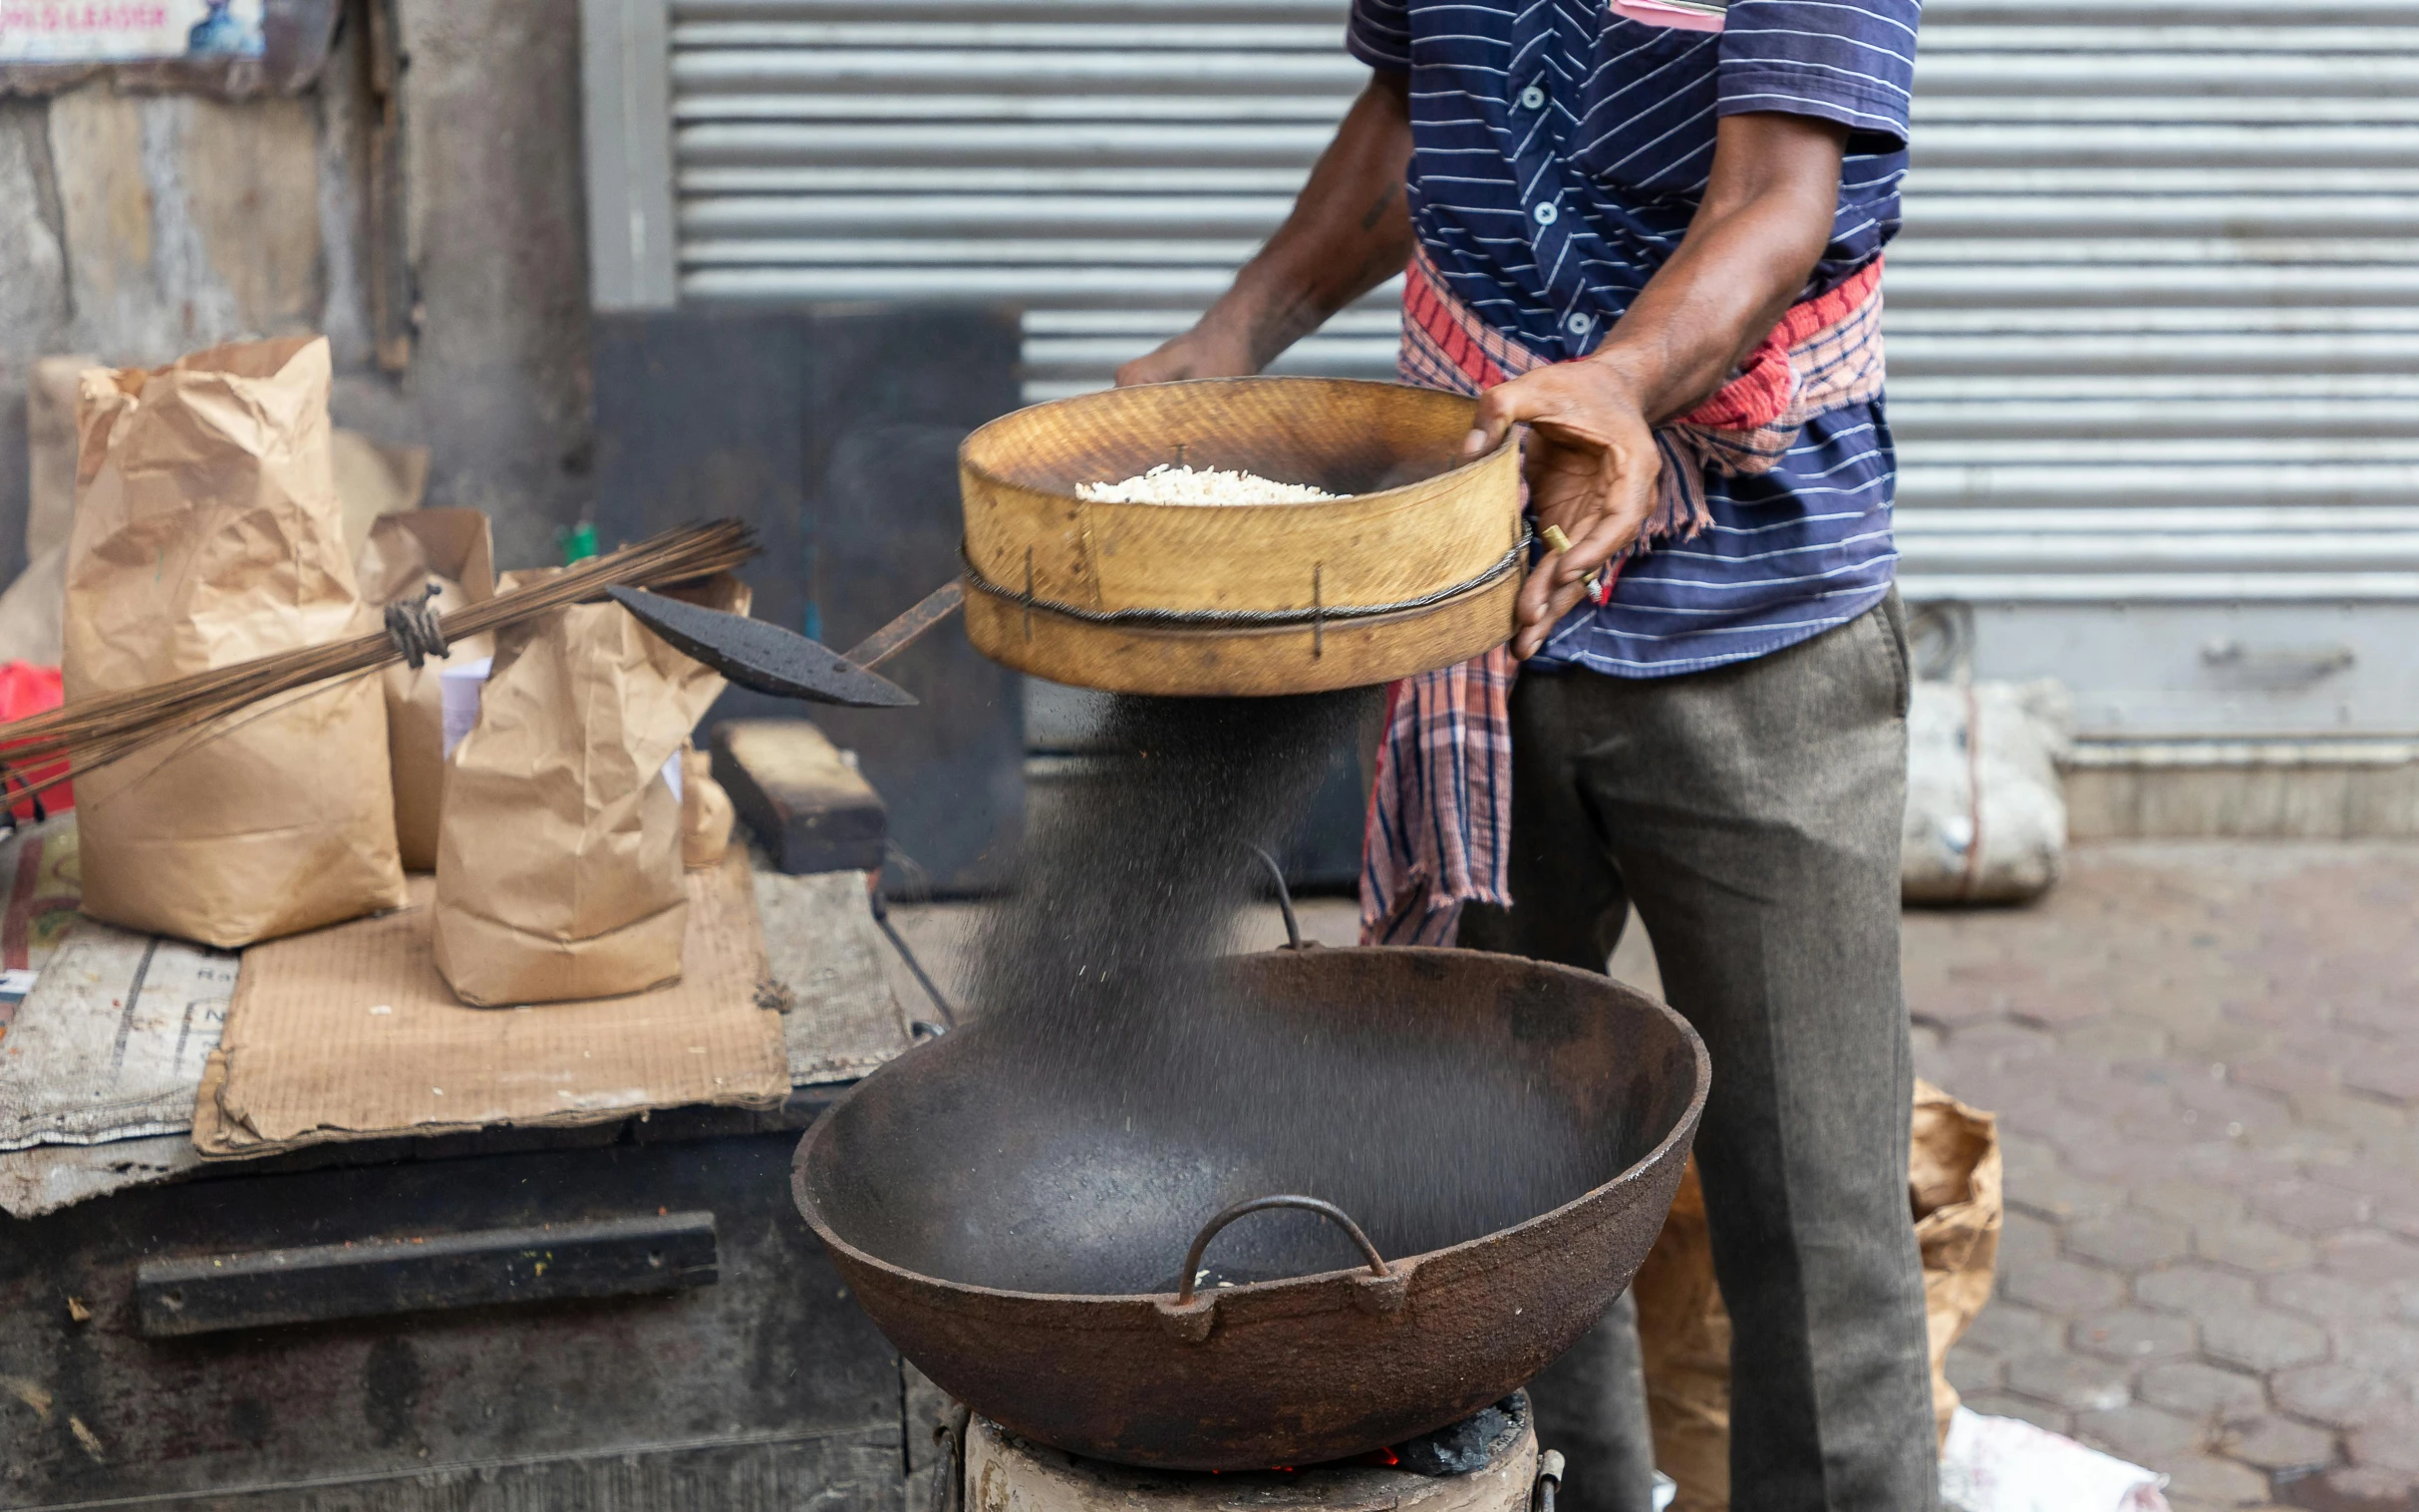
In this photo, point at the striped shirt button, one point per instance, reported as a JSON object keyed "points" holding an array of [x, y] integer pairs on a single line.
{"points": [[1533, 98], [1544, 214], [1580, 323]]}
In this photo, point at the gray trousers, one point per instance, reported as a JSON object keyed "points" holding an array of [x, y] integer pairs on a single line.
{"points": [[1753, 815]]}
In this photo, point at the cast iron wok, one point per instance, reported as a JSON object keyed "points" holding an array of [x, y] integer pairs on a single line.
{"points": [[1027, 1227]]}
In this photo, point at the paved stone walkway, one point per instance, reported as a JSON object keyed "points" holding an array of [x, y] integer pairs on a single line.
{"points": [[2205, 1058]]}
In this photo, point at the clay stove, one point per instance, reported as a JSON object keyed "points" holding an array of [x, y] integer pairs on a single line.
{"points": [[1489, 1462]]}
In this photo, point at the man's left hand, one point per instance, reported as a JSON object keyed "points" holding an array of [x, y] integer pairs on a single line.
{"points": [[1592, 467]]}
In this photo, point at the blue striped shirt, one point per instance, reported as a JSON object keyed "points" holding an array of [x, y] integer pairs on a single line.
{"points": [[1559, 150]]}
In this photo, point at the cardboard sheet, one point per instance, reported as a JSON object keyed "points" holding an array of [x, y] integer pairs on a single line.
{"points": [[348, 1033]]}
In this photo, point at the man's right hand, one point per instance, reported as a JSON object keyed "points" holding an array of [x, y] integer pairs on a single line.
{"points": [[1201, 352]]}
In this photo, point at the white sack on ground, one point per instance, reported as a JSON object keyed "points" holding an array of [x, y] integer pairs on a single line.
{"points": [[1985, 813], [2003, 1464]]}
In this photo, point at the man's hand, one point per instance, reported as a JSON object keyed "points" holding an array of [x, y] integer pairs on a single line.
{"points": [[1202, 351], [1592, 464]]}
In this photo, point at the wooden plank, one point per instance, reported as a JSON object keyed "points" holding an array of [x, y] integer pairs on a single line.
{"points": [[185, 217], [808, 806], [838, 1014], [618, 1257], [394, 320]]}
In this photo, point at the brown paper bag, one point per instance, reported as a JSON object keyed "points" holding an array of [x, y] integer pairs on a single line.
{"points": [[1684, 1330], [1683, 1340], [373, 480], [1953, 1179], [558, 858], [706, 812], [206, 534], [453, 549]]}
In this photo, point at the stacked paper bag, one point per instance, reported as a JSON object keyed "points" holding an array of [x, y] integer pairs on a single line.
{"points": [[208, 533], [406, 554], [559, 856]]}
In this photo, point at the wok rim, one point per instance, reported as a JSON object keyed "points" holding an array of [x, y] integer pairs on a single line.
{"points": [[1683, 1129]]}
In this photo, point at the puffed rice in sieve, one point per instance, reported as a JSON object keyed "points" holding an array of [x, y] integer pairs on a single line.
{"points": [[1173, 483]]}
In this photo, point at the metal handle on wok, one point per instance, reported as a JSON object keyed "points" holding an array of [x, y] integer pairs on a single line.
{"points": [[1327, 1210]]}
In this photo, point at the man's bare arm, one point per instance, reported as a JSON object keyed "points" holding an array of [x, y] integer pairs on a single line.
{"points": [[1349, 232], [1592, 460]]}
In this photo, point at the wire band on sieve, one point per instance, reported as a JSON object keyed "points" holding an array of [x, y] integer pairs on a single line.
{"points": [[1213, 619]]}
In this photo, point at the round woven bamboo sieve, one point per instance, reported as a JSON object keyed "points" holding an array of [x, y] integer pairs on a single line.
{"points": [[1418, 568]]}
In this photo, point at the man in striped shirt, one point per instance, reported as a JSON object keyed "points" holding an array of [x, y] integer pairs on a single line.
{"points": [[1650, 231]]}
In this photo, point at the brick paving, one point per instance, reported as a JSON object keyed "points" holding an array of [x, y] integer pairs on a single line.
{"points": [[2205, 1058]]}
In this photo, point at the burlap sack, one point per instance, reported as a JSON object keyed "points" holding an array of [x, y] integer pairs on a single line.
{"points": [[404, 554], [558, 858], [206, 534], [1684, 1330]]}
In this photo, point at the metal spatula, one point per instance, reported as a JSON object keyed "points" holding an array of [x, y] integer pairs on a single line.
{"points": [[761, 656]]}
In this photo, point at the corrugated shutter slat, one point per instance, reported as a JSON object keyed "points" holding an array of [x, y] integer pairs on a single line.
{"points": [[2160, 271]]}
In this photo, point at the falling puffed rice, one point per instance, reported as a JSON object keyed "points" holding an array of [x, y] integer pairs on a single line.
{"points": [[1172, 484]]}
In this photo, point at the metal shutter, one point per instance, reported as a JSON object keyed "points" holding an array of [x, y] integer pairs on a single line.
{"points": [[2154, 321], [1107, 164]]}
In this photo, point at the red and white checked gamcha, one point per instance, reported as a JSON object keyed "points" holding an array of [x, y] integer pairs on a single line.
{"points": [[1439, 828]]}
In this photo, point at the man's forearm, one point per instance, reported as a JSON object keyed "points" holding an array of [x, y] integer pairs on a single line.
{"points": [[1593, 460], [1748, 252], [1349, 231]]}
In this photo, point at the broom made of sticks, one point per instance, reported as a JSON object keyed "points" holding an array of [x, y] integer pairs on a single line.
{"points": [[92, 733]]}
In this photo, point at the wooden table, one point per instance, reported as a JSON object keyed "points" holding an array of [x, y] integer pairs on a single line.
{"points": [[626, 1314]]}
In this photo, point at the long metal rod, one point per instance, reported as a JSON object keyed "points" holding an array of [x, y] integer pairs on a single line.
{"points": [[898, 942], [903, 632], [1285, 898]]}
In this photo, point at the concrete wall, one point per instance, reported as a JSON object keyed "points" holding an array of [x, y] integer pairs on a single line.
{"points": [[139, 227]]}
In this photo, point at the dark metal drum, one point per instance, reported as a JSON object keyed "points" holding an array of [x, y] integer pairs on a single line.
{"points": [[1472, 1152]]}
